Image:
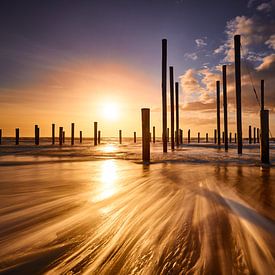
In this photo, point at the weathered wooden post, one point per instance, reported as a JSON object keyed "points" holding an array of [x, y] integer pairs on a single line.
{"points": [[223, 137], [17, 136], [254, 134], [230, 137], [60, 135], [95, 133], [145, 116], [224, 82], [120, 136], [63, 136], [72, 134], [0, 136], [215, 136], [98, 137], [135, 137], [249, 135], [258, 135], [167, 135], [188, 137], [198, 137], [218, 113], [264, 129], [171, 71], [36, 134], [177, 114], [206, 138], [235, 137], [154, 134], [181, 136], [53, 134], [164, 95], [80, 137], [237, 47]]}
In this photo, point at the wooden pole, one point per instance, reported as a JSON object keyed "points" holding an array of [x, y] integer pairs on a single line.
{"points": [[223, 137], [235, 137], [206, 138], [171, 71], [53, 134], [249, 135], [218, 113], [60, 135], [120, 136], [145, 116], [80, 137], [164, 95], [36, 133], [181, 136], [258, 135], [237, 47], [198, 137], [254, 135], [230, 137], [224, 81], [0, 136], [135, 137], [63, 136], [72, 134], [262, 94], [188, 137], [17, 136], [154, 134], [215, 136], [167, 135], [177, 114], [95, 133], [99, 137]]}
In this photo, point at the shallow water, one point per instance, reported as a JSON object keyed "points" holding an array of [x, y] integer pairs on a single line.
{"points": [[118, 217]]}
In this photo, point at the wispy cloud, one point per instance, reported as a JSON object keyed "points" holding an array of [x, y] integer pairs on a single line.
{"points": [[192, 56], [201, 42]]}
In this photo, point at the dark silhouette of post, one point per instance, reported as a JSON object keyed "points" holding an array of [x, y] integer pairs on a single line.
{"points": [[188, 137], [258, 135], [249, 135], [72, 134], [167, 135], [181, 136], [230, 137], [177, 114], [135, 137], [17, 136], [98, 137], [254, 135], [206, 138], [218, 113], [36, 134], [171, 71], [154, 134], [215, 136], [120, 136], [235, 137], [164, 95], [95, 133], [63, 136], [53, 134], [60, 135], [223, 137], [198, 137], [237, 47], [145, 116], [224, 82], [264, 146], [0, 136], [80, 137]]}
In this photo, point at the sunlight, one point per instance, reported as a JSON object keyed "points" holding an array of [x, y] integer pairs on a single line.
{"points": [[109, 148], [110, 111]]}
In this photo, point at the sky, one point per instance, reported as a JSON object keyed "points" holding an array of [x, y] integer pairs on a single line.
{"points": [[64, 61]]}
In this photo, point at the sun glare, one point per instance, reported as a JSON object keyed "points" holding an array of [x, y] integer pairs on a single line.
{"points": [[110, 111]]}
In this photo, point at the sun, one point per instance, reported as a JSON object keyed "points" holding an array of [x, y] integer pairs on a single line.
{"points": [[110, 111]]}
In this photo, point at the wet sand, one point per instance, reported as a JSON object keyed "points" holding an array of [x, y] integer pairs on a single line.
{"points": [[99, 211]]}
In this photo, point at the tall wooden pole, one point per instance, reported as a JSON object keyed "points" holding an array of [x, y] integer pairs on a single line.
{"points": [[63, 134], [145, 117], [95, 133], [249, 135], [164, 95], [215, 136], [258, 135], [120, 136], [188, 137], [218, 113], [177, 114], [36, 134], [72, 134], [135, 137], [206, 138], [0, 136], [154, 134], [181, 136], [17, 136], [224, 82], [254, 135], [98, 137], [171, 71], [53, 134], [237, 47], [60, 135], [80, 137], [230, 137], [198, 137], [262, 94]]}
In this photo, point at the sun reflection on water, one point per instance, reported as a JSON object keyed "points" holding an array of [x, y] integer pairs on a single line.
{"points": [[109, 148]]}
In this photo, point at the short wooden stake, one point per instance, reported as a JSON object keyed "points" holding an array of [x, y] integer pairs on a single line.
{"points": [[60, 135], [215, 136], [198, 137], [0, 136], [258, 135], [145, 116], [95, 133], [154, 134], [120, 136], [254, 135], [206, 138], [188, 137], [80, 137], [135, 137], [17, 136], [36, 133], [235, 138], [230, 137], [265, 136], [53, 134], [181, 136], [63, 136], [72, 134], [98, 137], [249, 135]]}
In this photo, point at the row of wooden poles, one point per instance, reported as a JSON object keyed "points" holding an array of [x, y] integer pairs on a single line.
{"points": [[263, 133]]}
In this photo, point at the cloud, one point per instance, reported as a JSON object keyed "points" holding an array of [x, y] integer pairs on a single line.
{"points": [[265, 7], [271, 42], [192, 56], [200, 43]]}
